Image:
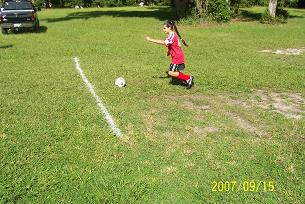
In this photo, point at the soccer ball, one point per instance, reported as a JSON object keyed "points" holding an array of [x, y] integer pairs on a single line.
{"points": [[120, 82]]}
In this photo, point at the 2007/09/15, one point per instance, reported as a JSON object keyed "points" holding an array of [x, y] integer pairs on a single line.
{"points": [[246, 186]]}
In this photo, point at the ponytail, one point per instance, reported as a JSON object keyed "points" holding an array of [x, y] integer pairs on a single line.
{"points": [[172, 25], [176, 30]]}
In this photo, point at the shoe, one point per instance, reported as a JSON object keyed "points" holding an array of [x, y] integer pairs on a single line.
{"points": [[190, 82]]}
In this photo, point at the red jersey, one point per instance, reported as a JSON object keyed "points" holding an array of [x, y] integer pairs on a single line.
{"points": [[173, 45]]}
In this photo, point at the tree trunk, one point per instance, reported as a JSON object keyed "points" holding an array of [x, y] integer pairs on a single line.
{"points": [[199, 7], [272, 7]]}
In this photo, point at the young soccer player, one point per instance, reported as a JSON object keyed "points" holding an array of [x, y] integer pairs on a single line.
{"points": [[174, 50]]}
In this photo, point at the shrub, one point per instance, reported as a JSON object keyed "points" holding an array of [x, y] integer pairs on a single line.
{"points": [[281, 16], [219, 10], [39, 3]]}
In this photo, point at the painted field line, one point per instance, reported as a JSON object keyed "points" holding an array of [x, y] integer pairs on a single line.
{"points": [[98, 100]]}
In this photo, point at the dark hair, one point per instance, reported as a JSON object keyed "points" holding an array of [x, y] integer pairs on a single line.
{"points": [[172, 26]]}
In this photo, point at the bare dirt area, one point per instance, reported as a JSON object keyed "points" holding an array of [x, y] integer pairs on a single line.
{"points": [[245, 125], [288, 51], [240, 110], [290, 105], [217, 105]]}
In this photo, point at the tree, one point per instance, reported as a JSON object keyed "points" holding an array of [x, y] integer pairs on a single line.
{"points": [[272, 7]]}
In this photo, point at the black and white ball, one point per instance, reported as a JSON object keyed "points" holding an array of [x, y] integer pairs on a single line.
{"points": [[120, 82]]}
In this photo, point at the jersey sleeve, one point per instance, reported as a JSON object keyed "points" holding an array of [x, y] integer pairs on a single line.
{"points": [[169, 40]]}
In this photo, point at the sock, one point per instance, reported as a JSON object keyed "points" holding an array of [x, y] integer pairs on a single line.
{"points": [[184, 77]]}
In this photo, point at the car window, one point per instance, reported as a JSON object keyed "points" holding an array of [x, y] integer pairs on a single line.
{"points": [[18, 5]]}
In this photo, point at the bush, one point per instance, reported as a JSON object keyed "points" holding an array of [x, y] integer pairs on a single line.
{"points": [[219, 10], [301, 4], [39, 3], [248, 3], [281, 16], [289, 3]]}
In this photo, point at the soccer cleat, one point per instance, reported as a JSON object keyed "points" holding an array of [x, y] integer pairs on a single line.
{"points": [[190, 82]]}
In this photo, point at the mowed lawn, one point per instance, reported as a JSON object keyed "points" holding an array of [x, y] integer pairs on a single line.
{"points": [[238, 136]]}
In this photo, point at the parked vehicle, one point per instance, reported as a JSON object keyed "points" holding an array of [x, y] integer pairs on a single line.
{"points": [[18, 14]]}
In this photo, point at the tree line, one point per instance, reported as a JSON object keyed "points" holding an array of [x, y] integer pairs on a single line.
{"points": [[197, 5], [193, 10]]}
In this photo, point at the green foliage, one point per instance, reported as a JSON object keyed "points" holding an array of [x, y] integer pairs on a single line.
{"points": [[219, 10], [189, 20], [72, 3], [266, 17], [248, 3], [39, 3], [292, 3], [281, 16], [282, 3], [301, 4]]}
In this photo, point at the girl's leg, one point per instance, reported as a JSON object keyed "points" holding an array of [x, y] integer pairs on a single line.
{"points": [[179, 75], [173, 74], [183, 77]]}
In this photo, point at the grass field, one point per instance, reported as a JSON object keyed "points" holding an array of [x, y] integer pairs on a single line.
{"points": [[241, 125]]}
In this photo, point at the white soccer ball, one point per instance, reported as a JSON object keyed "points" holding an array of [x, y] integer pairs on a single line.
{"points": [[120, 82]]}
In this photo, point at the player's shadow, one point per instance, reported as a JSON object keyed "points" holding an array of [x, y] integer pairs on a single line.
{"points": [[172, 80], [177, 82], [5, 46]]}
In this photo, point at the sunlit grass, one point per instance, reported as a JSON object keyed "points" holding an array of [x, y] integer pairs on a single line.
{"points": [[55, 146]]}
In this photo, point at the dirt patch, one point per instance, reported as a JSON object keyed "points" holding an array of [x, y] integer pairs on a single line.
{"points": [[192, 106], [289, 51], [188, 152], [291, 105], [216, 104], [150, 120], [242, 111], [169, 170], [285, 107], [205, 131], [244, 124]]}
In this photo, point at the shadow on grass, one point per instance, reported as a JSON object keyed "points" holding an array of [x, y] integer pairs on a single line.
{"points": [[249, 16], [5, 46], [173, 81], [294, 16], [246, 15], [42, 29], [177, 82], [159, 13]]}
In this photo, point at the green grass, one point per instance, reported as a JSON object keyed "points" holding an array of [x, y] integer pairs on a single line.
{"points": [[55, 146]]}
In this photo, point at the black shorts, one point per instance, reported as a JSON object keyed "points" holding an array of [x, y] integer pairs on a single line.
{"points": [[176, 67]]}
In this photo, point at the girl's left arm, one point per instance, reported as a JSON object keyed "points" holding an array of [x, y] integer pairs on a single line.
{"points": [[161, 42]]}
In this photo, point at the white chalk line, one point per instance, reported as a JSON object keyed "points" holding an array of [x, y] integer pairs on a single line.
{"points": [[98, 100]]}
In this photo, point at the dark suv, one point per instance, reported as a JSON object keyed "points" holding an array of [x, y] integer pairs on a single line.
{"points": [[18, 14]]}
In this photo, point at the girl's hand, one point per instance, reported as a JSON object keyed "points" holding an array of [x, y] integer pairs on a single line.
{"points": [[147, 38]]}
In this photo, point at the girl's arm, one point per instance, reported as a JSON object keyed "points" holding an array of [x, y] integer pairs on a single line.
{"points": [[155, 41]]}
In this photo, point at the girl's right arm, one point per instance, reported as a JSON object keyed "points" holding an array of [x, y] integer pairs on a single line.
{"points": [[161, 42]]}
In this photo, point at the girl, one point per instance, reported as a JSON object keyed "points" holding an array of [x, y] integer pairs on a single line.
{"points": [[174, 50]]}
